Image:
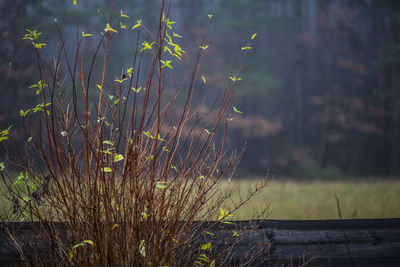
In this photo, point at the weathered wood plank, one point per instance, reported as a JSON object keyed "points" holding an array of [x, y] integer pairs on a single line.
{"points": [[373, 242]]}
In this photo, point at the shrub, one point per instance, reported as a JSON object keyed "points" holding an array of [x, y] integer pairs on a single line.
{"points": [[132, 175]]}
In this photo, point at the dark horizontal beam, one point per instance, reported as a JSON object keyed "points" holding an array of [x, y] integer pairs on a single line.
{"points": [[370, 242]]}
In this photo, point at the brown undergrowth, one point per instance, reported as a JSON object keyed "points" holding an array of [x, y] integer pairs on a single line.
{"points": [[131, 179]]}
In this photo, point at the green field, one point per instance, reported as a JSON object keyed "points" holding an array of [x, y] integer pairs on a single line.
{"points": [[292, 200]]}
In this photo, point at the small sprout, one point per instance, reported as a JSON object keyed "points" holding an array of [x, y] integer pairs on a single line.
{"points": [[130, 71], [136, 90], [100, 88], [204, 79], [236, 110], [63, 133], [160, 185], [201, 177], [108, 28], [118, 157], [166, 149], [115, 226], [203, 47], [212, 264], [23, 113], [40, 85], [247, 48], [123, 15], [111, 97], [235, 233], [210, 16], [166, 63], [2, 167], [29, 139], [74, 2], [38, 45], [120, 81], [235, 79], [138, 24], [123, 26], [175, 241], [253, 36], [86, 34], [169, 23], [146, 46], [224, 215], [106, 169]]}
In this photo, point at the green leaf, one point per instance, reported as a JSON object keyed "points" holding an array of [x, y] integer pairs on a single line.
{"points": [[86, 34], [38, 45], [203, 47], [206, 246], [166, 63], [118, 157], [212, 264], [207, 131], [100, 88], [23, 113], [146, 46], [130, 71], [210, 16], [142, 248], [2, 167], [90, 242], [108, 28], [160, 185], [123, 15], [253, 36], [236, 110], [74, 2], [114, 226], [120, 81], [27, 199], [204, 79], [136, 90], [29, 139], [107, 142], [234, 78], [138, 24], [177, 35], [235, 233], [174, 167], [246, 48], [106, 169], [123, 26]]}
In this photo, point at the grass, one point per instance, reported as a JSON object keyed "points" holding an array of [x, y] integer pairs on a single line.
{"points": [[315, 200]]}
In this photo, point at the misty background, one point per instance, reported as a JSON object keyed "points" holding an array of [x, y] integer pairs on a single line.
{"points": [[320, 90]]}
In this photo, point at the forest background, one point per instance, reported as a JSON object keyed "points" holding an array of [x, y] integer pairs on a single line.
{"points": [[320, 89]]}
